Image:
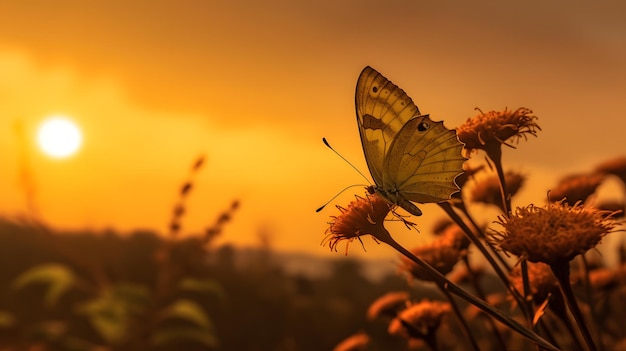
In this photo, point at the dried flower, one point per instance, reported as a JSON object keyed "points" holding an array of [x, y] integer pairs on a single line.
{"points": [[364, 216], [356, 342], [615, 166], [574, 188], [542, 281], [387, 305], [614, 207], [556, 233], [488, 189], [492, 129], [420, 319], [442, 254]]}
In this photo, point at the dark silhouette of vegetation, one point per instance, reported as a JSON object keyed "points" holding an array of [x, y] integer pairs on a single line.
{"points": [[252, 306]]}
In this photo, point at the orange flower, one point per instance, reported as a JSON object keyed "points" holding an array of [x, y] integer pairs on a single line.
{"points": [[488, 190], [356, 342], [420, 319], [542, 281], [553, 234], [577, 187], [387, 305], [492, 129], [442, 254], [615, 166], [364, 216]]}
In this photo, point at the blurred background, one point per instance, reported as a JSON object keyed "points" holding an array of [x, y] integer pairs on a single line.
{"points": [[254, 86]]}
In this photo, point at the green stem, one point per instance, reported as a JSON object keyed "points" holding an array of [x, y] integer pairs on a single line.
{"points": [[562, 273], [460, 292]]}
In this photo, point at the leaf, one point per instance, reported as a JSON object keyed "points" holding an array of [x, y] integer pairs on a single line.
{"points": [[209, 286], [188, 310], [541, 310], [110, 312], [58, 277], [189, 334]]}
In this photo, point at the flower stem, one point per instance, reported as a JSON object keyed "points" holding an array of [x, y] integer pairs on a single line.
{"points": [[495, 154], [499, 272], [481, 294], [562, 273], [460, 292], [459, 315]]}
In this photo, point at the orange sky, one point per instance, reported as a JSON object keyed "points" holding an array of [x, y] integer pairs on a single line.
{"points": [[255, 86]]}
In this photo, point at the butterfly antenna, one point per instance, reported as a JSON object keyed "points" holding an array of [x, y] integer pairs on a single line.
{"points": [[334, 197], [348, 162]]}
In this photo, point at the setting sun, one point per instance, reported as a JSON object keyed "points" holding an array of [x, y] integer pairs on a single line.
{"points": [[59, 137]]}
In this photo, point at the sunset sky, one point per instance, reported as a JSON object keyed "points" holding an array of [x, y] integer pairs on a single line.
{"points": [[256, 85]]}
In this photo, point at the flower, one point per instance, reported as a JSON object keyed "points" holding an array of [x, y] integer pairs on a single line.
{"points": [[365, 215], [387, 305], [616, 166], [559, 232], [488, 189], [356, 342], [420, 319], [542, 281], [442, 254], [489, 130], [577, 187]]}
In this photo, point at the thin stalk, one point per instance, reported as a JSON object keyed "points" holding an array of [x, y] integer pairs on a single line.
{"points": [[589, 293], [495, 154], [431, 340], [481, 294], [528, 301], [562, 273], [460, 292], [459, 315], [499, 272], [481, 235]]}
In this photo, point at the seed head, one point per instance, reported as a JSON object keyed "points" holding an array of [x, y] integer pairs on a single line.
{"points": [[575, 188], [542, 281], [363, 216], [492, 129], [488, 190], [442, 254], [616, 166], [552, 234], [388, 305], [420, 319]]}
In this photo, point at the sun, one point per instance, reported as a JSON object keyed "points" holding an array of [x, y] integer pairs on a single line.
{"points": [[59, 137]]}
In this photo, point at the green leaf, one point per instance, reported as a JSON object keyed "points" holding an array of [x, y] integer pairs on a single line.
{"points": [[111, 312], [188, 310], [208, 286], [189, 334], [58, 277]]}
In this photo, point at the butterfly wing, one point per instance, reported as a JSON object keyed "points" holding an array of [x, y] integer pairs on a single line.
{"points": [[382, 109], [410, 157], [423, 161]]}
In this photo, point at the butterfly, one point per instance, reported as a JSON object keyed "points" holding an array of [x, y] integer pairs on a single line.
{"points": [[410, 157]]}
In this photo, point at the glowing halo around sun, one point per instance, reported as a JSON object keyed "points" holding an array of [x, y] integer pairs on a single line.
{"points": [[59, 137]]}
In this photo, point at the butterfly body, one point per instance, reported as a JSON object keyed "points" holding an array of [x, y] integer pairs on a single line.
{"points": [[410, 157]]}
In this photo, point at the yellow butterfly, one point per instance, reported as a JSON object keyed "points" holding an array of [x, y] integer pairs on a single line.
{"points": [[410, 157]]}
